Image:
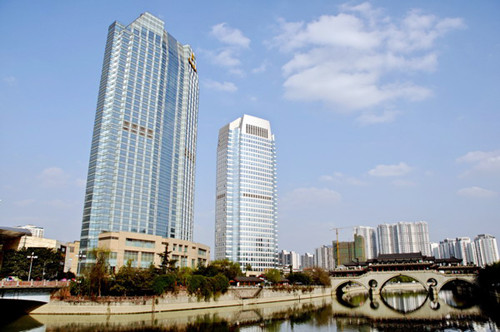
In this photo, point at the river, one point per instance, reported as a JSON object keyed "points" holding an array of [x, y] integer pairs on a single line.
{"points": [[392, 311]]}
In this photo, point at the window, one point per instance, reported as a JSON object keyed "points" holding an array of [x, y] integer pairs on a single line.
{"points": [[130, 256], [139, 243]]}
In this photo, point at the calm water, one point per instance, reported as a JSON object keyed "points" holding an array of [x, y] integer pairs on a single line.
{"points": [[395, 311]]}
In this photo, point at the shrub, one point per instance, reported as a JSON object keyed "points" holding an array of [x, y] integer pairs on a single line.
{"points": [[299, 278], [164, 283]]}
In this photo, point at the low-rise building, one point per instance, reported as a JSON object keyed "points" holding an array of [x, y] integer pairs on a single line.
{"points": [[142, 250], [72, 256]]}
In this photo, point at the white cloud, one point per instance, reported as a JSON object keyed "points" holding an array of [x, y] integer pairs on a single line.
{"points": [[310, 198], [403, 183], [225, 58], [262, 68], [477, 192], [24, 202], [368, 118], [10, 80], [230, 36], [482, 161], [348, 61], [228, 55], [390, 170], [340, 178], [54, 177], [220, 86]]}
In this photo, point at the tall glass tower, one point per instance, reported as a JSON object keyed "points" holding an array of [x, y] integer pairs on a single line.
{"points": [[142, 159], [246, 228]]}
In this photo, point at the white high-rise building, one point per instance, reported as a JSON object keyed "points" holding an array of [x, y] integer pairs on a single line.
{"points": [[464, 249], [246, 228], [486, 249], [36, 231], [370, 236], [289, 259], [461, 248], [324, 257], [404, 237], [447, 248], [306, 260]]}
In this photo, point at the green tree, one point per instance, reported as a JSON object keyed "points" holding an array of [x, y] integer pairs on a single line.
{"points": [[98, 272], [167, 264], [488, 278], [230, 269], [48, 265], [134, 281], [164, 283], [183, 274], [318, 276], [198, 285], [299, 278], [220, 284], [273, 276]]}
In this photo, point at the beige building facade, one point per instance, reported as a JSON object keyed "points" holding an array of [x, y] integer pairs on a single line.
{"points": [[72, 253], [142, 250]]}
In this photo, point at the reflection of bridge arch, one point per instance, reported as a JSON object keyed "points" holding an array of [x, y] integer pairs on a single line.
{"points": [[421, 276], [428, 311], [381, 297]]}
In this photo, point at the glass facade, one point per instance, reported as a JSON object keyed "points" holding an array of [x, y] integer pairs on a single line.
{"points": [[246, 229], [142, 159]]}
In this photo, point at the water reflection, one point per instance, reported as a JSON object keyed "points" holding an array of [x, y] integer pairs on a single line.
{"points": [[324, 314], [404, 302], [352, 294]]}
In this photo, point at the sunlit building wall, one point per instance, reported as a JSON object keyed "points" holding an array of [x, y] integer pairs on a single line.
{"points": [[370, 239], [486, 249], [246, 227], [404, 237]]}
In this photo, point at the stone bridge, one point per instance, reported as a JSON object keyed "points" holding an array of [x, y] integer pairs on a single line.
{"points": [[21, 297], [376, 281]]}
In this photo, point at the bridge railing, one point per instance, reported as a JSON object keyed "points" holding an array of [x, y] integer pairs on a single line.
{"points": [[34, 283]]}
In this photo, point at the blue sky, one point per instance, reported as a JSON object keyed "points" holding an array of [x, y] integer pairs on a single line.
{"points": [[383, 111]]}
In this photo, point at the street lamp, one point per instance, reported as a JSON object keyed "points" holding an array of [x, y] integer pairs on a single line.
{"points": [[31, 263]]}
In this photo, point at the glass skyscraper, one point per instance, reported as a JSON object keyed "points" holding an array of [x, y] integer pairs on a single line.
{"points": [[142, 159], [246, 229]]}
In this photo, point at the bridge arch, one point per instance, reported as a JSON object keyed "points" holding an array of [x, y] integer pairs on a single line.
{"points": [[422, 282], [340, 294], [454, 280]]}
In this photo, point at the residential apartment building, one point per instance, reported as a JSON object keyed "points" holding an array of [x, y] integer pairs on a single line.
{"points": [[350, 251], [36, 231], [486, 249], [307, 261], [246, 228], [404, 237], [324, 257], [289, 260], [369, 235]]}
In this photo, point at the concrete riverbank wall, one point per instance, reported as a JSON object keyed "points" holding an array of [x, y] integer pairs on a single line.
{"points": [[181, 301]]}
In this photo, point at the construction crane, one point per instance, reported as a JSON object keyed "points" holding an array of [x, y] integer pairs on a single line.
{"points": [[337, 235]]}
